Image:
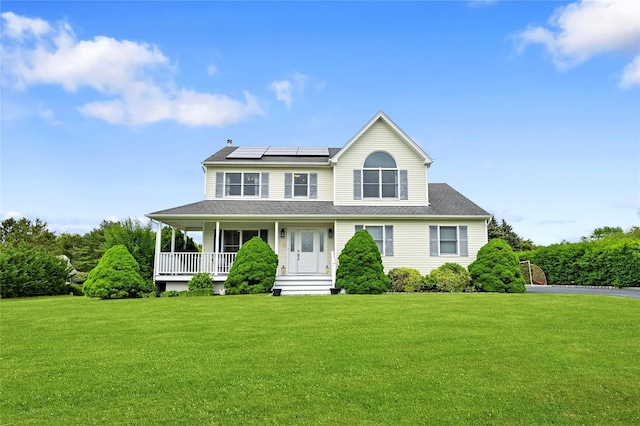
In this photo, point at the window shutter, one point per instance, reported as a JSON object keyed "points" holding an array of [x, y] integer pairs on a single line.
{"points": [[313, 185], [264, 234], [464, 244], [288, 185], [264, 185], [357, 184], [219, 184], [359, 228], [404, 184], [433, 241], [388, 240]]}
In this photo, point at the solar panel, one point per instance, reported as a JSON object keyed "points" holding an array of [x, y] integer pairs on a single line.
{"points": [[281, 150], [312, 151], [248, 152]]}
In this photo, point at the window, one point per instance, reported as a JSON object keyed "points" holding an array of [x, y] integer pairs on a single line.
{"points": [[380, 176], [232, 239], [382, 235], [242, 184], [300, 184], [448, 240]]}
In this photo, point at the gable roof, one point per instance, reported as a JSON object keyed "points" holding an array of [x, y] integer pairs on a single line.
{"points": [[403, 136]]}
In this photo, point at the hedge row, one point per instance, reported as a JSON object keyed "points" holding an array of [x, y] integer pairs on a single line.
{"points": [[27, 271], [604, 262]]}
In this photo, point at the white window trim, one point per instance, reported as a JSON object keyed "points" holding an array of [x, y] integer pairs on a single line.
{"points": [[242, 185], [380, 170], [457, 253], [293, 184], [241, 231]]}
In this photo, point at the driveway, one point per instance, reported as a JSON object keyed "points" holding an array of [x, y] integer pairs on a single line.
{"points": [[583, 290]]}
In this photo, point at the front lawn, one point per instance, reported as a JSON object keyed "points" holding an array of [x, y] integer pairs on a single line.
{"points": [[335, 360]]}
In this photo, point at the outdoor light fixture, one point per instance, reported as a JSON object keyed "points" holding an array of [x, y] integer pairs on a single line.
{"points": [[330, 233], [282, 233]]}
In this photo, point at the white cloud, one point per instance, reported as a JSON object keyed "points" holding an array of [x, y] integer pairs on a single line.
{"points": [[631, 74], [48, 115], [285, 89], [135, 76], [12, 215], [19, 26], [588, 28]]}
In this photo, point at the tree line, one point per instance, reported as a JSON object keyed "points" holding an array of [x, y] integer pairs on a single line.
{"points": [[35, 261]]}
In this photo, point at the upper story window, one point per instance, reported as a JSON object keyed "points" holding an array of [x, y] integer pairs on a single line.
{"points": [[242, 184], [380, 176], [300, 185]]}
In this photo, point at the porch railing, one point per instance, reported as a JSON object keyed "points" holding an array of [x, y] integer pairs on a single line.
{"points": [[192, 263]]}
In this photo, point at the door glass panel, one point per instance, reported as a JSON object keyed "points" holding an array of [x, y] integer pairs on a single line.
{"points": [[307, 242], [321, 241], [292, 244]]}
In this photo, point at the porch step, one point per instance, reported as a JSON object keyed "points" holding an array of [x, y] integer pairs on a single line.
{"points": [[294, 285]]}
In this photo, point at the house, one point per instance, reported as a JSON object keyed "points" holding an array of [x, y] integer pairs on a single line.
{"points": [[307, 202]]}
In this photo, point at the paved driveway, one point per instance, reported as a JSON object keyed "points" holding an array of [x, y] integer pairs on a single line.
{"points": [[583, 290]]}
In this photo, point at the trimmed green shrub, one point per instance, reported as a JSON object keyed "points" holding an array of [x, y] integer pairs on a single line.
{"points": [[79, 278], [27, 270], [609, 261], [201, 281], [497, 269], [451, 278], [199, 292], [254, 270], [170, 293], [405, 279], [116, 276], [360, 267]]}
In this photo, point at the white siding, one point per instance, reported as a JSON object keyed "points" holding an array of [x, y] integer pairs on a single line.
{"points": [[380, 137], [276, 181], [411, 242]]}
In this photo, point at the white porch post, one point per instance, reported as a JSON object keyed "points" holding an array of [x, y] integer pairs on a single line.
{"points": [[276, 241], [156, 258], [216, 248], [173, 239]]}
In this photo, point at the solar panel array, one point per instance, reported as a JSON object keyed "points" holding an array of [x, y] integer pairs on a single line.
{"points": [[257, 152]]}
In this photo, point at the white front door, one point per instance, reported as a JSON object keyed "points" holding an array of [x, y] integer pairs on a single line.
{"points": [[306, 246]]}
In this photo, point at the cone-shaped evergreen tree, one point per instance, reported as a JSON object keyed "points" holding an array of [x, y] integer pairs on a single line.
{"points": [[497, 269], [116, 276], [360, 267], [254, 270]]}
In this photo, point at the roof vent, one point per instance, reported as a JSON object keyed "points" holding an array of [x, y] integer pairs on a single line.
{"points": [[229, 142]]}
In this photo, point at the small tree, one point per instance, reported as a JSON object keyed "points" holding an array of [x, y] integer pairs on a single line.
{"points": [[360, 267], [497, 269], [254, 270], [116, 276], [201, 281]]}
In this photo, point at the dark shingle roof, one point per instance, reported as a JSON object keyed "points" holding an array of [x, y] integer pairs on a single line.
{"points": [[221, 156], [445, 201]]}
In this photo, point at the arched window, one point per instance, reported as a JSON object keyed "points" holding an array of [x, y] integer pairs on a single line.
{"points": [[380, 176]]}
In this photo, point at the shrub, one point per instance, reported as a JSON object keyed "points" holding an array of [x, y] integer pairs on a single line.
{"points": [[405, 279], [609, 261], [254, 270], [170, 293], [360, 267], [450, 277], [116, 276], [79, 278], [497, 269], [199, 292], [75, 289], [27, 270], [201, 281]]}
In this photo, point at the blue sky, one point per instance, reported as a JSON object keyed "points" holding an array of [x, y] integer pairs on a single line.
{"points": [[530, 109]]}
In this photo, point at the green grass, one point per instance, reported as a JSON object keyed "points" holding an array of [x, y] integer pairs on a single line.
{"points": [[342, 360]]}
